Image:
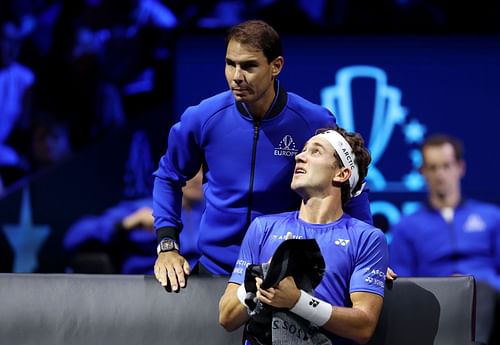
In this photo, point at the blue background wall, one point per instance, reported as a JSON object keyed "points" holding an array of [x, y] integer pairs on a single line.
{"points": [[446, 84]]}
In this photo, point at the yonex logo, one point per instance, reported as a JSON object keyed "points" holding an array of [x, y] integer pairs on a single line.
{"points": [[314, 303], [286, 147], [341, 242]]}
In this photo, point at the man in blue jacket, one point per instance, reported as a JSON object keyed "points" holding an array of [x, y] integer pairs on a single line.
{"points": [[246, 139], [451, 235]]}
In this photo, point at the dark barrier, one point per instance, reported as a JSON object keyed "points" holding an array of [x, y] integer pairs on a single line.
{"points": [[56, 309]]}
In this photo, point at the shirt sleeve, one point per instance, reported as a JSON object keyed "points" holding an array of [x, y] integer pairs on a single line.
{"points": [[249, 252], [181, 162], [371, 264]]}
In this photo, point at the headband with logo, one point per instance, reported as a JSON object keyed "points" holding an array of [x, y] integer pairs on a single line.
{"points": [[345, 153]]}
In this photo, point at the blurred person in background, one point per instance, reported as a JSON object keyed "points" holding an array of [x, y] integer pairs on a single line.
{"points": [[451, 235], [16, 83], [121, 239]]}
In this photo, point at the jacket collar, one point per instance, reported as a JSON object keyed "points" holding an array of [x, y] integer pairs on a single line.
{"points": [[277, 106]]}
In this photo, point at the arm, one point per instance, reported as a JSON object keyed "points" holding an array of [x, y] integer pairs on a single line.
{"points": [[357, 322], [181, 162], [141, 218], [232, 313], [100, 228]]}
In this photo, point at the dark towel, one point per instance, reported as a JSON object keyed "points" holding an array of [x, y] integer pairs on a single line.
{"points": [[302, 260]]}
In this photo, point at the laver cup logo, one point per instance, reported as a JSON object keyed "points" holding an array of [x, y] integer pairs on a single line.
{"points": [[388, 113], [286, 147]]}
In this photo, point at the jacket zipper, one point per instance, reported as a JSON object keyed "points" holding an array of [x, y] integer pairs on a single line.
{"points": [[453, 242], [256, 127]]}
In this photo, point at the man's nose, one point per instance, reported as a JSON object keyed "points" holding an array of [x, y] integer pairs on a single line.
{"points": [[299, 157], [238, 75]]}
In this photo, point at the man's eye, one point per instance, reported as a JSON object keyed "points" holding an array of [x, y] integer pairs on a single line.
{"points": [[248, 67]]}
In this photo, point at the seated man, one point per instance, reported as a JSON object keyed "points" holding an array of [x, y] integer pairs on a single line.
{"points": [[330, 169], [123, 240], [451, 235]]}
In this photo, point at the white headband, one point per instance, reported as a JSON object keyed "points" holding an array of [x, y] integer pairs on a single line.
{"points": [[345, 153]]}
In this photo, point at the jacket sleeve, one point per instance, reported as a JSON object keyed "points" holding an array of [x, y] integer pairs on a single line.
{"points": [[181, 162], [359, 207]]}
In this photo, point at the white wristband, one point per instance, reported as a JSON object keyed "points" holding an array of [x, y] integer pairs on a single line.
{"points": [[241, 293], [312, 309]]}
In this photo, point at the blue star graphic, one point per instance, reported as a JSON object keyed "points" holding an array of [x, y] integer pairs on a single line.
{"points": [[414, 132], [25, 238], [414, 181], [416, 158]]}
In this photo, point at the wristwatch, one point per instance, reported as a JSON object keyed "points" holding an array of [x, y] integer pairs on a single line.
{"points": [[167, 245]]}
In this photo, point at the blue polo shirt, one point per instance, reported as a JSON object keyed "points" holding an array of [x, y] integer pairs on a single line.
{"points": [[355, 253]]}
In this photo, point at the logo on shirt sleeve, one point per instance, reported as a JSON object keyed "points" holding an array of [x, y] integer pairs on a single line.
{"points": [[375, 277], [240, 267]]}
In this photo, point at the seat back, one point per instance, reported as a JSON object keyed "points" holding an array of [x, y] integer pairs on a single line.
{"points": [[83, 309], [427, 311], [48, 309]]}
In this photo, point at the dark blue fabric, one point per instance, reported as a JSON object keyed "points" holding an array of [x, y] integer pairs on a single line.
{"points": [[215, 133], [424, 244]]}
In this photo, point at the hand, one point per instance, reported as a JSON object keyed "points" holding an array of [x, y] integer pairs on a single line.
{"points": [[143, 218], [171, 270], [390, 275], [285, 295]]}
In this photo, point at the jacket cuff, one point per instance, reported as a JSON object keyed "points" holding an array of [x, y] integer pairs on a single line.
{"points": [[167, 231]]}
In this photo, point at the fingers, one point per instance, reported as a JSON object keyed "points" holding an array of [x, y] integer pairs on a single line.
{"points": [[175, 276], [265, 296], [390, 275], [171, 270], [186, 267], [160, 274], [285, 295]]}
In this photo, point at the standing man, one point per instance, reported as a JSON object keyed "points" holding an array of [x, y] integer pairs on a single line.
{"points": [[246, 138], [451, 235], [348, 300]]}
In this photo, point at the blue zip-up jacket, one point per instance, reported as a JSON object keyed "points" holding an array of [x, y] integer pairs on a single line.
{"points": [[248, 167], [424, 244]]}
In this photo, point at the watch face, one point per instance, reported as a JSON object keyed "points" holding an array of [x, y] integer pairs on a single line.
{"points": [[168, 245]]}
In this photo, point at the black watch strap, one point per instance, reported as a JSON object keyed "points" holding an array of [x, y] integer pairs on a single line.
{"points": [[167, 232]]}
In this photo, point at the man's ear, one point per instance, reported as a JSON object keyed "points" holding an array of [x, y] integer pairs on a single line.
{"points": [[342, 175], [277, 66]]}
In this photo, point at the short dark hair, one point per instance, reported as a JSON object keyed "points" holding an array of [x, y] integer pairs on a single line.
{"points": [[442, 139], [362, 158], [258, 34]]}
